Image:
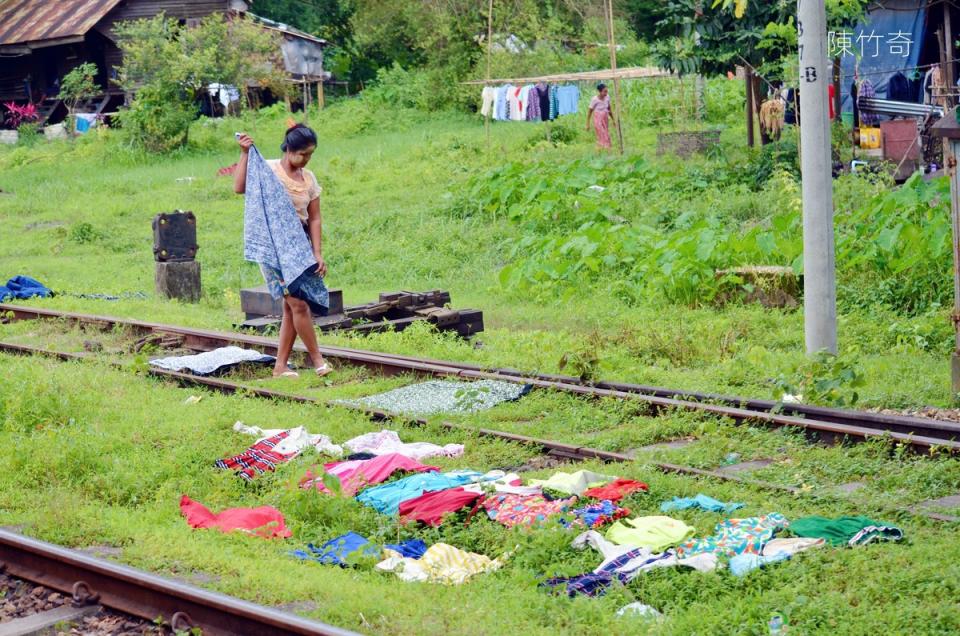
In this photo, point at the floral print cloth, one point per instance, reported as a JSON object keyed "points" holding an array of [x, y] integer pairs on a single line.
{"points": [[517, 510], [737, 536]]}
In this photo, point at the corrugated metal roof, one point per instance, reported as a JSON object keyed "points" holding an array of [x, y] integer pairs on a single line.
{"points": [[23, 22]]}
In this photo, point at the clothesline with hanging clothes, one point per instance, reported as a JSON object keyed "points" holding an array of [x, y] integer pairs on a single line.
{"points": [[530, 102], [922, 67], [633, 72]]}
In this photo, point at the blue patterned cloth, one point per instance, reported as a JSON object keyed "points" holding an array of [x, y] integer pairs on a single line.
{"points": [[273, 236], [272, 233], [339, 550]]}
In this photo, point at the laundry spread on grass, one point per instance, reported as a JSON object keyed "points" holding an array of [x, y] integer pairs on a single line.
{"points": [[210, 362], [443, 396], [22, 288], [264, 521], [386, 474]]}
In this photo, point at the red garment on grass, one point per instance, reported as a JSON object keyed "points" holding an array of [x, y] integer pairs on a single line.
{"points": [[430, 507], [616, 490], [368, 472], [227, 171], [264, 521]]}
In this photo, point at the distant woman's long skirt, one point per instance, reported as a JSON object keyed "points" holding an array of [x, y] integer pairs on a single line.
{"points": [[601, 125]]}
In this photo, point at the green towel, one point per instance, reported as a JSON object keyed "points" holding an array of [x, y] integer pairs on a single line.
{"points": [[845, 530]]}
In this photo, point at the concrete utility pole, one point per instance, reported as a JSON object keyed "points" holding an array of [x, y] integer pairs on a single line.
{"points": [[819, 267]]}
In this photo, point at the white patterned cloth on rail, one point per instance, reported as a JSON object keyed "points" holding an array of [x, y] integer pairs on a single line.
{"points": [[212, 361]]}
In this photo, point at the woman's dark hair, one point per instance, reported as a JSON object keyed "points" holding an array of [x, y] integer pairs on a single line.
{"points": [[300, 137], [601, 86]]}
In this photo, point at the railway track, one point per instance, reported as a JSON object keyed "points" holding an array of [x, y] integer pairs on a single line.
{"points": [[93, 582], [559, 450], [819, 423]]}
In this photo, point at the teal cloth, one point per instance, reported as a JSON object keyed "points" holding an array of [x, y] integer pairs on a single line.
{"points": [[387, 498], [700, 501]]}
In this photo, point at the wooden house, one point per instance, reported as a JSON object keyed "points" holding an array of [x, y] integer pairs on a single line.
{"points": [[42, 40]]}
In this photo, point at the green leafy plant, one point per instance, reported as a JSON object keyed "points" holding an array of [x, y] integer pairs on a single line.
{"points": [[169, 66], [77, 85], [825, 379]]}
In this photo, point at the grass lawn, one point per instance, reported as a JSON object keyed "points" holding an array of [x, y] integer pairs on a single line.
{"points": [[100, 456]]}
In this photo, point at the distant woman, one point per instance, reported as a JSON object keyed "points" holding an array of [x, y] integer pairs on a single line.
{"points": [[599, 113], [301, 185]]}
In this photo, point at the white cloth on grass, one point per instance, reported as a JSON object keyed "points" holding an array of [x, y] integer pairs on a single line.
{"points": [[212, 361], [384, 442], [297, 440], [644, 559]]}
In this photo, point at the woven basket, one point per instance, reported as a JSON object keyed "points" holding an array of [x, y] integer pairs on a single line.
{"points": [[687, 143]]}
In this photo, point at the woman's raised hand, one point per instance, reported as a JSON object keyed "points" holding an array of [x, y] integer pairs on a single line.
{"points": [[245, 141]]}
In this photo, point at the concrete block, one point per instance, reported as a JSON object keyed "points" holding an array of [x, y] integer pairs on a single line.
{"points": [[180, 280]]}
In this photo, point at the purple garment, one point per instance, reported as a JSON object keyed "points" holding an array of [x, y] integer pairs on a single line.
{"points": [[533, 104]]}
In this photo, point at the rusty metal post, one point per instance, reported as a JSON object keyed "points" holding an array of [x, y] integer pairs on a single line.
{"points": [[948, 128], [951, 150]]}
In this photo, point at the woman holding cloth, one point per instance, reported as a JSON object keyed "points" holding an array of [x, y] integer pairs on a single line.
{"points": [[301, 186]]}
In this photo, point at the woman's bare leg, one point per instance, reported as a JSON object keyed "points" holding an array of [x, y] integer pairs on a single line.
{"points": [[303, 323], [287, 335]]}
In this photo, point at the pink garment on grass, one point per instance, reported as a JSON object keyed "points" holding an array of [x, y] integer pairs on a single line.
{"points": [[385, 442], [354, 475], [264, 521]]}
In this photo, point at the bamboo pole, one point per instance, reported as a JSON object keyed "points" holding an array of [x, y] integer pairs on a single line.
{"points": [[486, 122], [613, 68]]}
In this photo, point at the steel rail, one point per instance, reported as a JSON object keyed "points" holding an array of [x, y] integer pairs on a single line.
{"points": [[147, 595], [552, 447], [824, 423]]}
